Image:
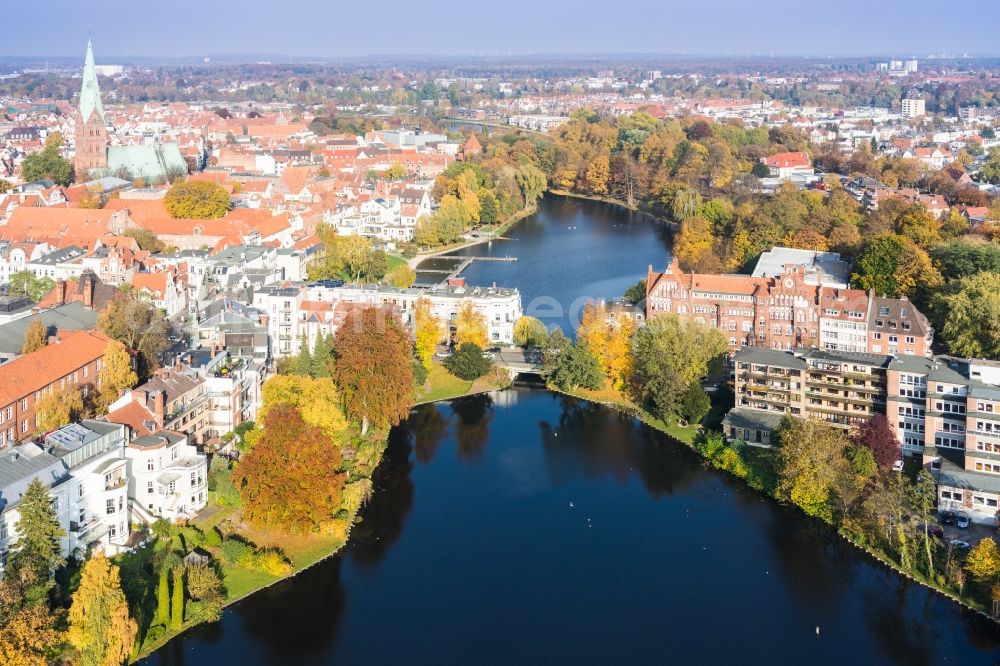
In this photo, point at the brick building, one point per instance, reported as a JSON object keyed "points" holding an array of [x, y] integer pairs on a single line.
{"points": [[789, 311], [70, 359]]}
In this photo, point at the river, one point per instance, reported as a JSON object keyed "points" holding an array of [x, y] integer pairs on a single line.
{"points": [[526, 527]]}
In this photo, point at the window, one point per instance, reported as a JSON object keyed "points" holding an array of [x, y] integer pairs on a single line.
{"points": [[893, 339], [150, 465], [149, 487], [989, 468], [24, 404], [193, 477], [110, 505], [983, 501]]}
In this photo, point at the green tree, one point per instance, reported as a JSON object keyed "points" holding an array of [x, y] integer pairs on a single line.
{"points": [[670, 354], [99, 624], [35, 337], [894, 266], [468, 362], [532, 182], [971, 313], [146, 240], [25, 282], [177, 599], [695, 404], [197, 199], [321, 357], [162, 616], [489, 208], [965, 257], [37, 553], [529, 332], [48, 164], [576, 367]]}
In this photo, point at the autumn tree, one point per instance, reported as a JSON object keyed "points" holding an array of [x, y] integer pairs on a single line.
{"points": [[693, 245], [116, 375], [30, 638], [132, 320], [316, 399], [598, 174], [470, 326], [429, 332], [99, 624], [35, 337], [401, 276], [877, 435], [811, 456], [197, 199], [145, 239], [292, 477], [57, 408], [373, 368], [983, 562], [37, 553]]}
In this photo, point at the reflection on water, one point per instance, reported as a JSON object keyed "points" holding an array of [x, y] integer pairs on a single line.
{"points": [[526, 527]]}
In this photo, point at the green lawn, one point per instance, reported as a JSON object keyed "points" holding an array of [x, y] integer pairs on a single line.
{"points": [[395, 261], [442, 385]]}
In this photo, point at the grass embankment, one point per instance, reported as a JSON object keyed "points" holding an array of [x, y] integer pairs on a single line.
{"points": [[442, 385], [223, 513], [758, 468], [394, 262]]}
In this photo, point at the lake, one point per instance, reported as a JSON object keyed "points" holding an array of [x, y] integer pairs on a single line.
{"points": [[526, 527]]}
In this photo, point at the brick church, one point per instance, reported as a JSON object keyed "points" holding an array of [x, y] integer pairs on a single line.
{"points": [[94, 155]]}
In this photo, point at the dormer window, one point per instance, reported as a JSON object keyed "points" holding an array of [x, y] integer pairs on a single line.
{"points": [[883, 311]]}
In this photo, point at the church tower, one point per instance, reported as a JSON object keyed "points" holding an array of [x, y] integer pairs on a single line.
{"points": [[91, 128]]}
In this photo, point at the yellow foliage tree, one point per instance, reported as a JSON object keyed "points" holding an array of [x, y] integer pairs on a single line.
{"points": [[598, 174], [99, 624], [29, 638], [428, 331], [116, 375], [316, 399], [617, 356], [470, 326], [693, 242], [58, 408], [35, 337]]}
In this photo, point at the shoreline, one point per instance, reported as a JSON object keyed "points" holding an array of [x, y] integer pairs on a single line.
{"points": [[614, 202], [415, 262], [880, 558]]}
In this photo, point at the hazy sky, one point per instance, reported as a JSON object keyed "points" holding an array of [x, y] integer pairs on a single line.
{"points": [[335, 28]]}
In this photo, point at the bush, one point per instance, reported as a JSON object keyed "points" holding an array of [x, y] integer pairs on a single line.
{"points": [[272, 562], [468, 362], [236, 551], [213, 538]]}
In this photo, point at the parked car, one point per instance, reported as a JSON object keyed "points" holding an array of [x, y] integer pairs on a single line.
{"points": [[932, 529], [897, 466], [958, 543], [962, 521], [948, 517]]}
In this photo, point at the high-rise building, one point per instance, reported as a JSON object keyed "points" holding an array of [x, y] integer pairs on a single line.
{"points": [[913, 107]]}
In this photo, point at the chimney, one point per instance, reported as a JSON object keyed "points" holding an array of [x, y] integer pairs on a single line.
{"points": [[139, 395], [87, 281], [159, 400], [61, 291]]}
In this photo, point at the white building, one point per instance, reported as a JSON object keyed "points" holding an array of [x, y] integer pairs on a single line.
{"points": [[94, 454], [19, 466], [167, 477], [913, 107]]}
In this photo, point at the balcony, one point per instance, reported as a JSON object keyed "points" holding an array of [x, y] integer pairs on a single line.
{"points": [[114, 484]]}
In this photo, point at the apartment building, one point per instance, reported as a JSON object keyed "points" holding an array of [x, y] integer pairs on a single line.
{"points": [[93, 453], [167, 477], [172, 399], [843, 389], [794, 309], [71, 359], [947, 411]]}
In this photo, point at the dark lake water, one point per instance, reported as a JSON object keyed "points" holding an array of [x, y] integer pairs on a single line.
{"points": [[530, 528], [569, 252], [524, 527]]}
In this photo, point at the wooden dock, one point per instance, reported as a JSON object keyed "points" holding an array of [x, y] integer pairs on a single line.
{"points": [[451, 273]]}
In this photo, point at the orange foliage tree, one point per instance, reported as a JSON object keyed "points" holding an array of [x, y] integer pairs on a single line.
{"points": [[374, 370], [292, 478]]}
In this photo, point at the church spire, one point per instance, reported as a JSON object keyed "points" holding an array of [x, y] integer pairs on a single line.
{"points": [[90, 92]]}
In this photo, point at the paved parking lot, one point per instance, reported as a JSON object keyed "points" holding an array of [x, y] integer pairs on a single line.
{"points": [[973, 534]]}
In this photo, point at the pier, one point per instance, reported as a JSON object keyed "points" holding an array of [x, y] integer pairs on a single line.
{"points": [[451, 273]]}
